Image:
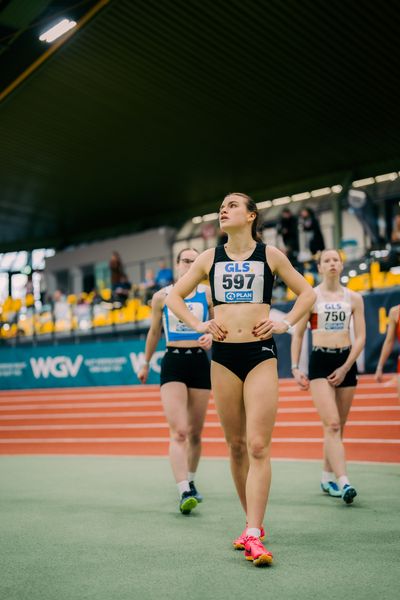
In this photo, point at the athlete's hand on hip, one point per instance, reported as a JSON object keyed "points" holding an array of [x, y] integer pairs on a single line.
{"points": [[301, 379], [337, 376], [266, 328], [143, 373], [217, 331], [378, 374], [205, 341]]}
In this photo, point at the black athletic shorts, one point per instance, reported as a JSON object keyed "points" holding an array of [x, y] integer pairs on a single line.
{"points": [[323, 361], [186, 365], [241, 358]]}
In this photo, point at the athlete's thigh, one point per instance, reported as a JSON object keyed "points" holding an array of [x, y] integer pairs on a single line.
{"points": [[261, 399], [197, 408], [324, 398], [344, 399], [174, 398], [228, 395]]}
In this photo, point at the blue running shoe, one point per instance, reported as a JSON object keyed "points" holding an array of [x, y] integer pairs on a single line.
{"points": [[187, 503], [195, 492], [348, 493], [332, 489]]}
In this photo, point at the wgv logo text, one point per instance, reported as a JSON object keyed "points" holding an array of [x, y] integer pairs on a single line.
{"points": [[56, 366]]}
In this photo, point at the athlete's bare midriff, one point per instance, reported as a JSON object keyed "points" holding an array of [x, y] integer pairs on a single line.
{"points": [[184, 344], [337, 339], [240, 319]]}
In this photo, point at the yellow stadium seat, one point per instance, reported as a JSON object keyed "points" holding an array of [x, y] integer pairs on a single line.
{"points": [[62, 325], [290, 295], [106, 294], [29, 300], [17, 305], [143, 312], [309, 277], [102, 319]]}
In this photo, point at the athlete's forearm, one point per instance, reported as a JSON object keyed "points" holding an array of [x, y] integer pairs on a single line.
{"points": [[385, 353], [178, 306], [354, 352], [301, 307], [295, 348], [152, 339]]}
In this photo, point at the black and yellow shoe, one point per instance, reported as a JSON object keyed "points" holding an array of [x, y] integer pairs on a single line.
{"points": [[187, 503]]}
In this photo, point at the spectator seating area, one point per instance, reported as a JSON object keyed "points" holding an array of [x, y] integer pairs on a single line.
{"points": [[85, 313], [96, 312]]}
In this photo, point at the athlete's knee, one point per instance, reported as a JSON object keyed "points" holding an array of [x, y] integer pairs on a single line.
{"points": [[194, 437], [333, 427], [237, 447], [179, 435], [258, 448]]}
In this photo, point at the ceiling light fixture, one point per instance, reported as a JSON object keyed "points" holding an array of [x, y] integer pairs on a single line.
{"points": [[264, 204], [363, 182], [321, 192], [302, 196], [210, 217], [386, 177], [57, 31], [280, 201]]}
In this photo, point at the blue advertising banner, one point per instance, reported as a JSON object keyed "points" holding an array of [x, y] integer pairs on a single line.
{"points": [[377, 306], [107, 363], [117, 363]]}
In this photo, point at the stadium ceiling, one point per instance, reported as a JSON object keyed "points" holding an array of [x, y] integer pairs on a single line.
{"points": [[152, 110]]}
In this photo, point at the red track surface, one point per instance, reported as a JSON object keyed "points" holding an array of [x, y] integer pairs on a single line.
{"points": [[129, 420]]}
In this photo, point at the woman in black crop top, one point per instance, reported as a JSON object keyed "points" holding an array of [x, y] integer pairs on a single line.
{"points": [[244, 366]]}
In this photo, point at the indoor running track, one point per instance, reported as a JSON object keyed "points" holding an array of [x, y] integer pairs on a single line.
{"points": [[128, 420]]}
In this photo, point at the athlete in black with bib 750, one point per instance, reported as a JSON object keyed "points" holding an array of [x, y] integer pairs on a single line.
{"points": [[244, 363]]}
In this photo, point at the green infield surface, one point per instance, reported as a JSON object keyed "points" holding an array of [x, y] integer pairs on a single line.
{"points": [[108, 528]]}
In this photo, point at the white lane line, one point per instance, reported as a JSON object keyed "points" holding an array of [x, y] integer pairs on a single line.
{"points": [[118, 440], [110, 426], [144, 403], [82, 405], [89, 415], [89, 396], [77, 398], [160, 413], [286, 384]]}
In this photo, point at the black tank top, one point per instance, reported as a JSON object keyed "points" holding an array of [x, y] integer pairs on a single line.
{"points": [[234, 281]]}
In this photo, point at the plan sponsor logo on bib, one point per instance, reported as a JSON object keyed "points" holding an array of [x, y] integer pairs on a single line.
{"points": [[238, 296]]}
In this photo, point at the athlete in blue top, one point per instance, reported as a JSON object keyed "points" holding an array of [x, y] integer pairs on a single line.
{"points": [[244, 366], [185, 379]]}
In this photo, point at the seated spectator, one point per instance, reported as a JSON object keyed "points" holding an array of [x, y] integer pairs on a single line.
{"points": [[148, 286], [61, 308], [82, 312], [164, 276]]}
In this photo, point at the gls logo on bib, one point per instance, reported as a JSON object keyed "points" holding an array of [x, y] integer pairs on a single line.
{"points": [[235, 267]]}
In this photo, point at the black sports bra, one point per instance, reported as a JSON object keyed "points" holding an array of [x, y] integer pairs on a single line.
{"points": [[238, 281]]}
